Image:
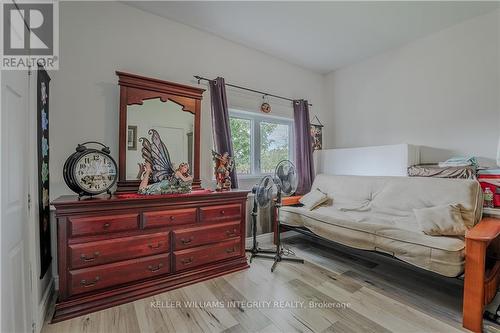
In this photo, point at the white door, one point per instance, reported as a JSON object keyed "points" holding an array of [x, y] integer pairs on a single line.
{"points": [[16, 313]]}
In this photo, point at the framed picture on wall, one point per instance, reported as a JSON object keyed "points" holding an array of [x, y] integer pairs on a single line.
{"points": [[132, 138]]}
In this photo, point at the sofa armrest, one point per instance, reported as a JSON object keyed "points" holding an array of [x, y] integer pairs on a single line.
{"points": [[479, 288], [485, 231]]}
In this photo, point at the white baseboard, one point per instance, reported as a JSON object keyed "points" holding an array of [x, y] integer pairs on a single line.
{"points": [[44, 305]]}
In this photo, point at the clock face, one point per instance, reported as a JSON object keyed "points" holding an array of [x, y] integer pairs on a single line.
{"points": [[95, 172]]}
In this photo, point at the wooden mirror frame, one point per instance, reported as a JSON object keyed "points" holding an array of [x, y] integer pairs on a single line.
{"points": [[135, 89]]}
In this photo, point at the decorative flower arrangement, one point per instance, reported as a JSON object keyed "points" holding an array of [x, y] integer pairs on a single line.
{"points": [[45, 146], [45, 120], [45, 172]]}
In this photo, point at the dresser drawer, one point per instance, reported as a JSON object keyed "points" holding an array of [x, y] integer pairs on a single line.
{"points": [[186, 238], [164, 218], [88, 279], [220, 213], [111, 250], [92, 225], [186, 259]]}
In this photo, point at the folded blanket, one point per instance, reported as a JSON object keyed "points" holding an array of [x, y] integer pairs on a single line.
{"points": [[459, 161], [433, 170]]}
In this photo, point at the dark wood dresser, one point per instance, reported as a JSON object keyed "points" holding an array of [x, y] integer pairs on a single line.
{"points": [[115, 250]]}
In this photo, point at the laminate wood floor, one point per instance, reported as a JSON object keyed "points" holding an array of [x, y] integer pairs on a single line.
{"points": [[335, 290]]}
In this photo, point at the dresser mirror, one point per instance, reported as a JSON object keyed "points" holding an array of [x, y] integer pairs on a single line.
{"points": [[174, 127], [152, 110]]}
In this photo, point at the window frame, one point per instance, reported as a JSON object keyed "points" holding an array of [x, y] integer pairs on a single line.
{"points": [[255, 121]]}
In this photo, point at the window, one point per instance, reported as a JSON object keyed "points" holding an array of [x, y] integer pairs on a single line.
{"points": [[260, 142]]}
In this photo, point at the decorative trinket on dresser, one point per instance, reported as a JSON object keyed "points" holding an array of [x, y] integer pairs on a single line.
{"points": [[90, 171], [158, 175], [224, 164]]}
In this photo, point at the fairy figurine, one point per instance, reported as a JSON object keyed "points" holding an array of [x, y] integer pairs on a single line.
{"points": [[180, 182], [159, 170], [224, 164]]}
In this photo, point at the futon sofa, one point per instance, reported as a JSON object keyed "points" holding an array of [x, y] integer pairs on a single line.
{"points": [[377, 213]]}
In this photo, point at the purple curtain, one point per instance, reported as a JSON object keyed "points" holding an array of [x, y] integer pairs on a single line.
{"points": [[220, 122], [303, 146]]}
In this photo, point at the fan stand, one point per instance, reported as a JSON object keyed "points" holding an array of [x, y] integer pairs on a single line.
{"points": [[255, 250], [279, 250]]}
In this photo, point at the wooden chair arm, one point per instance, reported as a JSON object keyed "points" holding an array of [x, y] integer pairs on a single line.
{"points": [[485, 231], [479, 286]]}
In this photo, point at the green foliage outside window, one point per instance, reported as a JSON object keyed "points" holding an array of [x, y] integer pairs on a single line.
{"points": [[240, 132], [273, 144]]}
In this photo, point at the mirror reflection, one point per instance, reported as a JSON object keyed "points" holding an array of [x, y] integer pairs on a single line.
{"points": [[152, 126]]}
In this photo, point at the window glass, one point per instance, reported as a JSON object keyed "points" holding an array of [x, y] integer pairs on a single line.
{"points": [[240, 132], [274, 145]]}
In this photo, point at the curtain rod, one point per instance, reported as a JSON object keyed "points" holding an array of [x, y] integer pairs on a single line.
{"points": [[200, 78]]}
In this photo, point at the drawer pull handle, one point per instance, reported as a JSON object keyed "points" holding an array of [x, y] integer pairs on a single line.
{"points": [[222, 212], [231, 233], [86, 284], [186, 241], [106, 225], [187, 261], [172, 217], [231, 250], [85, 258], [155, 269], [154, 247]]}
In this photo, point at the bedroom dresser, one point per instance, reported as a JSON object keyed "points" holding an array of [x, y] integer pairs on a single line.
{"points": [[119, 249]]}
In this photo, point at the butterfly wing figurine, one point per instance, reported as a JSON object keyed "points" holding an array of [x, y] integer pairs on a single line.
{"points": [[156, 153]]}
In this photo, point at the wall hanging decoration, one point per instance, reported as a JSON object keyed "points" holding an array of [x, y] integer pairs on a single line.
{"points": [[132, 138], [317, 134], [265, 106], [43, 80]]}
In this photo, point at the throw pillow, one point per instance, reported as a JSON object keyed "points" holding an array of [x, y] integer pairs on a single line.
{"points": [[313, 199], [441, 220]]}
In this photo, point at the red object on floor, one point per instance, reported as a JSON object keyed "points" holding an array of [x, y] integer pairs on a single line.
{"points": [[496, 200], [174, 195]]}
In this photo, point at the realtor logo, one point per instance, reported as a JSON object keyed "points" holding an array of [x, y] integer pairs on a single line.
{"points": [[28, 35]]}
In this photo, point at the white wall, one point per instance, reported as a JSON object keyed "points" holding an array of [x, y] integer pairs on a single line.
{"points": [[389, 160], [440, 91], [98, 38]]}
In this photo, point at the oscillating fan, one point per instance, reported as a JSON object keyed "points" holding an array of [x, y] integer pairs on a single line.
{"points": [[285, 178], [263, 195], [284, 183]]}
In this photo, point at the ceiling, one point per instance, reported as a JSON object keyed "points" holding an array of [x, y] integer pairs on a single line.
{"points": [[320, 36]]}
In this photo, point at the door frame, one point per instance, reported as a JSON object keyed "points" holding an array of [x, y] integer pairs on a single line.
{"points": [[31, 203]]}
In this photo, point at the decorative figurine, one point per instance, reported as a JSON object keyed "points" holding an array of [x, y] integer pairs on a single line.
{"points": [[224, 164], [180, 182], [159, 170]]}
